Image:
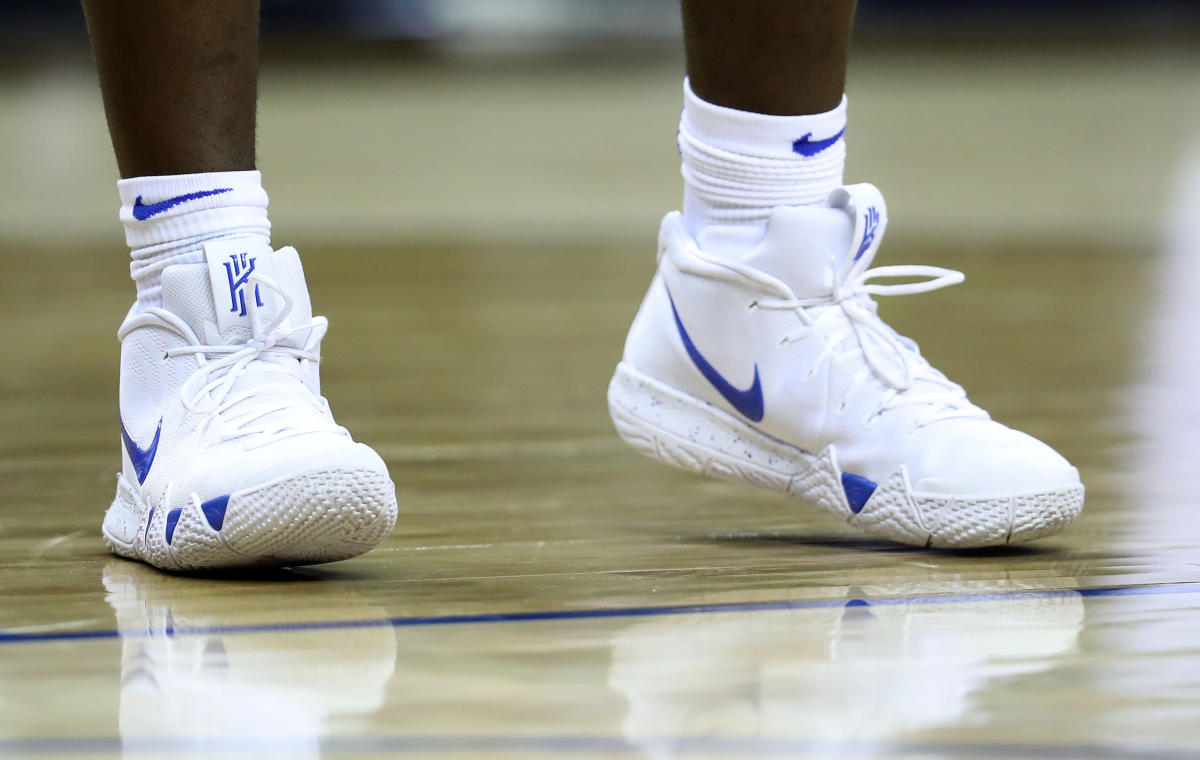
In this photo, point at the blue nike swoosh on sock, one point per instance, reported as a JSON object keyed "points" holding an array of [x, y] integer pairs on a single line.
{"points": [[139, 457], [143, 211], [809, 148], [748, 402]]}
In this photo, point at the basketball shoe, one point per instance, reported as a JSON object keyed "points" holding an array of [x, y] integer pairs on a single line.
{"points": [[231, 455], [776, 370]]}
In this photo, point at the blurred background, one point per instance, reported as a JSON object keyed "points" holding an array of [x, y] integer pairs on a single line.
{"points": [[397, 119], [526, 24], [475, 186]]}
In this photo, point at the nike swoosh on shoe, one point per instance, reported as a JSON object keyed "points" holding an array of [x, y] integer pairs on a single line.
{"points": [[141, 458], [748, 402]]}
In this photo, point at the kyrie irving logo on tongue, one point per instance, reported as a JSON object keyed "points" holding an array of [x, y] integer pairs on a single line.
{"points": [[238, 269]]}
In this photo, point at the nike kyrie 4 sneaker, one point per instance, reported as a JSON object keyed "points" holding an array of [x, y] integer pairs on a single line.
{"points": [[231, 456], [776, 370]]}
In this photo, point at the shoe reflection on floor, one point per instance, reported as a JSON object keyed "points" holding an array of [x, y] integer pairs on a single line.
{"points": [[854, 671], [190, 690]]}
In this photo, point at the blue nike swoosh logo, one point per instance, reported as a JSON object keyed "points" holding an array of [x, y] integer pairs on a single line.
{"points": [[143, 211], [141, 458], [809, 148], [748, 402]]}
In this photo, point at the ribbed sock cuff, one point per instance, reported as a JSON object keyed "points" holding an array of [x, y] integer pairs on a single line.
{"points": [[738, 165], [157, 210]]}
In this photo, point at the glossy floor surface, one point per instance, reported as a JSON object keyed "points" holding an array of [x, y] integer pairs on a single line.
{"points": [[549, 593]]}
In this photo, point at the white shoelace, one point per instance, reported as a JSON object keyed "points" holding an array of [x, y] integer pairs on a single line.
{"points": [[267, 411], [857, 339]]}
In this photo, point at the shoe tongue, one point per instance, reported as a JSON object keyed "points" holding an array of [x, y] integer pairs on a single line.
{"points": [[219, 299], [807, 247], [223, 305]]}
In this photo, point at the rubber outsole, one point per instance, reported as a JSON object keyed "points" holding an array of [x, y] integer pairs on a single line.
{"points": [[318, 516], [691, 434]]}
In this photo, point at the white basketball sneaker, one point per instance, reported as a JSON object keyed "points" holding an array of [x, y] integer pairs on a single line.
{"points": [[231, 456], [776, 370]]}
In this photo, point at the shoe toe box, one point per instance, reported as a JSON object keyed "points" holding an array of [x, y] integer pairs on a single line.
{"points": [[985, 458], [237, 468]]}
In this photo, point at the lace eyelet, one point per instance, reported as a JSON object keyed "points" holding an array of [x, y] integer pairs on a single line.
{"points": [[842, 408], [752, 306]]}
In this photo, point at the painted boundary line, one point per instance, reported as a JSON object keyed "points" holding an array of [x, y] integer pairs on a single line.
{"points": [[616, 612], [675, 746]]}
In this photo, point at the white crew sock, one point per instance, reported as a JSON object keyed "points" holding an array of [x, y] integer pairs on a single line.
{"points": [[738, 165], [168, 219]]}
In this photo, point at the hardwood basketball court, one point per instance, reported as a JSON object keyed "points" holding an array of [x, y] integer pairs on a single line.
{"points": [[548, 592]]}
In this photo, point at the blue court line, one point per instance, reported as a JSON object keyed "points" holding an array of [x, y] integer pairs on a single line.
{"points": [[616, 612], [663, 745]]}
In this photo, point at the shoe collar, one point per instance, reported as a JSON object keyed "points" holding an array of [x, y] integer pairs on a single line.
{"points": [[806, 249]]}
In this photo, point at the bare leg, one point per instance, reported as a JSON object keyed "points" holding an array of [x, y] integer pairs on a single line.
{"points": [[781, 57], [179, 79]]}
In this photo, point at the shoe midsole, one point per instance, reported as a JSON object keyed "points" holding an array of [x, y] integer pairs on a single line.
{"points": [[648, 401]]}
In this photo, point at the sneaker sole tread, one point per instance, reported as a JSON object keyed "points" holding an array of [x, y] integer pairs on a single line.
{"points": [[313, 517]]}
